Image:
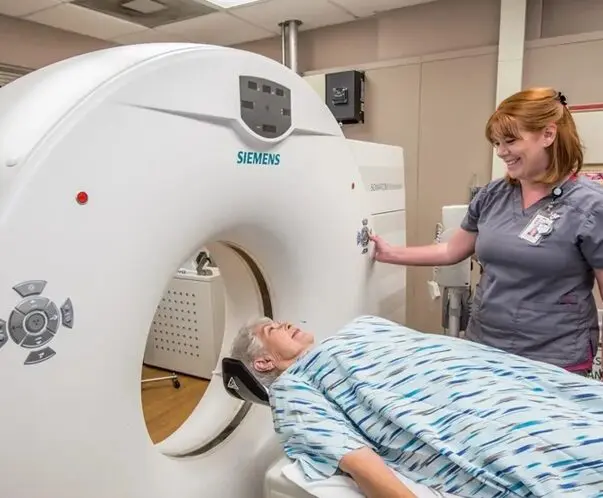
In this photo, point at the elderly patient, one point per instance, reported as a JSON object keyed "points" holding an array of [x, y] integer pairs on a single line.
{"points": [[456, 416]]}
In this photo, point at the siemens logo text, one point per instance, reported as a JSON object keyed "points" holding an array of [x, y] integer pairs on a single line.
{"points": [[385, 186], [258, 158]]}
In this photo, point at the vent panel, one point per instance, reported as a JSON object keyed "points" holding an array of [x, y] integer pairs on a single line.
{"points": [[149, 13]]}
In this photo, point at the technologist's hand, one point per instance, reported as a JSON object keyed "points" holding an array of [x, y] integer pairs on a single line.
{"points": [[382, 250]]}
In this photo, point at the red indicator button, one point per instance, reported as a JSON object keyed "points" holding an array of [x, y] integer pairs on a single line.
{"points": [[81, 198]]}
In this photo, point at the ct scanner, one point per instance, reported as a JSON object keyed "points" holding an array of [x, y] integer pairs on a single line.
{"points": [[115, 167]]}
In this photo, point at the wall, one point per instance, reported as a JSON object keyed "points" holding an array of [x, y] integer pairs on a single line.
{"points": [[31, 45], [431, 78]]}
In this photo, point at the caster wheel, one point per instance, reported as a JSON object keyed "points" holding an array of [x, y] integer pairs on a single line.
{"points": [[177, 384]]}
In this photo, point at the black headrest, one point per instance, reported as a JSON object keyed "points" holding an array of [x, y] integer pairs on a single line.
{"points": [[240, 383]]}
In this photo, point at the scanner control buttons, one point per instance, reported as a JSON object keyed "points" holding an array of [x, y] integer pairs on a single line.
{"points": [[30, 288], [34, 321], [3, 336], [362, 237], [15, 327], [39, 356], [67, 314]]}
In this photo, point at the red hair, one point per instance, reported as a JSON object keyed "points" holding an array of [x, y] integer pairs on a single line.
{"points": [[533, 110]]}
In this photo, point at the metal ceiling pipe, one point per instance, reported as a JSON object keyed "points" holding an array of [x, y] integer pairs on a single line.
{"points": [[293, 44], [284, 58], [290, 43]]}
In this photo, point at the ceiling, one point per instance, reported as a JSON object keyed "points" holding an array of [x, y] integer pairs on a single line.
{"points": [[198, 21]]}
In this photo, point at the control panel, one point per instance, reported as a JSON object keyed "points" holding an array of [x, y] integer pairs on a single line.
{"points": [[34, 321], [362, 236]]}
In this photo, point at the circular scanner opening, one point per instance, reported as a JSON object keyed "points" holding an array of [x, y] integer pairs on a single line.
{"points": [[185, 407]]}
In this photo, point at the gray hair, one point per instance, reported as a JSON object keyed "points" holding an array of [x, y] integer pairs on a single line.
{"points": [[247, 346]]}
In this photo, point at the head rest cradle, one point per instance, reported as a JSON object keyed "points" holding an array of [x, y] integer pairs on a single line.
{"points": [[240, 383]]}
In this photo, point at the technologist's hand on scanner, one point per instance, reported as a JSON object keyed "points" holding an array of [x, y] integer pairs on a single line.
{"points": [[382, 250]]}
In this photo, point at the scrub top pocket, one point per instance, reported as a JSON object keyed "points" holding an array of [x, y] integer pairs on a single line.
{"points": [[493, 312], [559, 327], [491, 321]]}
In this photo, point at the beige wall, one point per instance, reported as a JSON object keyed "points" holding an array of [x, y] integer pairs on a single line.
{"points": [[431, 80], [30, 45]]}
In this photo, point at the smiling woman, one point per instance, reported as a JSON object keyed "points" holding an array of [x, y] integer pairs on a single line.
{"points": [[538, 234], [535, 134]]}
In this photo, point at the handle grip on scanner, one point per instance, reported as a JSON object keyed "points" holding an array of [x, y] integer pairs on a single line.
{"points": [[240, 383]]}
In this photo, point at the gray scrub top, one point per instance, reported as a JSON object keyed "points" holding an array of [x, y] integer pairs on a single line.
{"points": [[536, 301]]}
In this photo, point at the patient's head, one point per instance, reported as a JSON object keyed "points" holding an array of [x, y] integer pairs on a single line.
{"points": [[268, 348]]}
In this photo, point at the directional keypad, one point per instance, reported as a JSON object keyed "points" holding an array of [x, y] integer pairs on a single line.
{"points": [[3, 335], [35, 321]]}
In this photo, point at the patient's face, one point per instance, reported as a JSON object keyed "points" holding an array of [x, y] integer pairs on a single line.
{"points": [[284, 343]]}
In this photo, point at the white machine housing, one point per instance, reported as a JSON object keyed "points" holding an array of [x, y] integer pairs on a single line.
{"points": [[453, 282], [459, 274], [117, 166]]}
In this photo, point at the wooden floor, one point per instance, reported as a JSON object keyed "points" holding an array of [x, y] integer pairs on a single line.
{"points": [[165, 407]]}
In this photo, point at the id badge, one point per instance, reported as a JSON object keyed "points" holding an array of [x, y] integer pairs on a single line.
{"points": [[538, 227]]}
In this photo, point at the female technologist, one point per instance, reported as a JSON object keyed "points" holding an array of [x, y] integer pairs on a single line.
{"points": [[538, 234]]}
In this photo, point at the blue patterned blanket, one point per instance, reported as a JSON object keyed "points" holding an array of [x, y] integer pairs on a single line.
{"points": [[453, 415]]}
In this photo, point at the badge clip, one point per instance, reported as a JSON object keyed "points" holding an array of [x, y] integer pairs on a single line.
{"points": [[540, 226]]}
